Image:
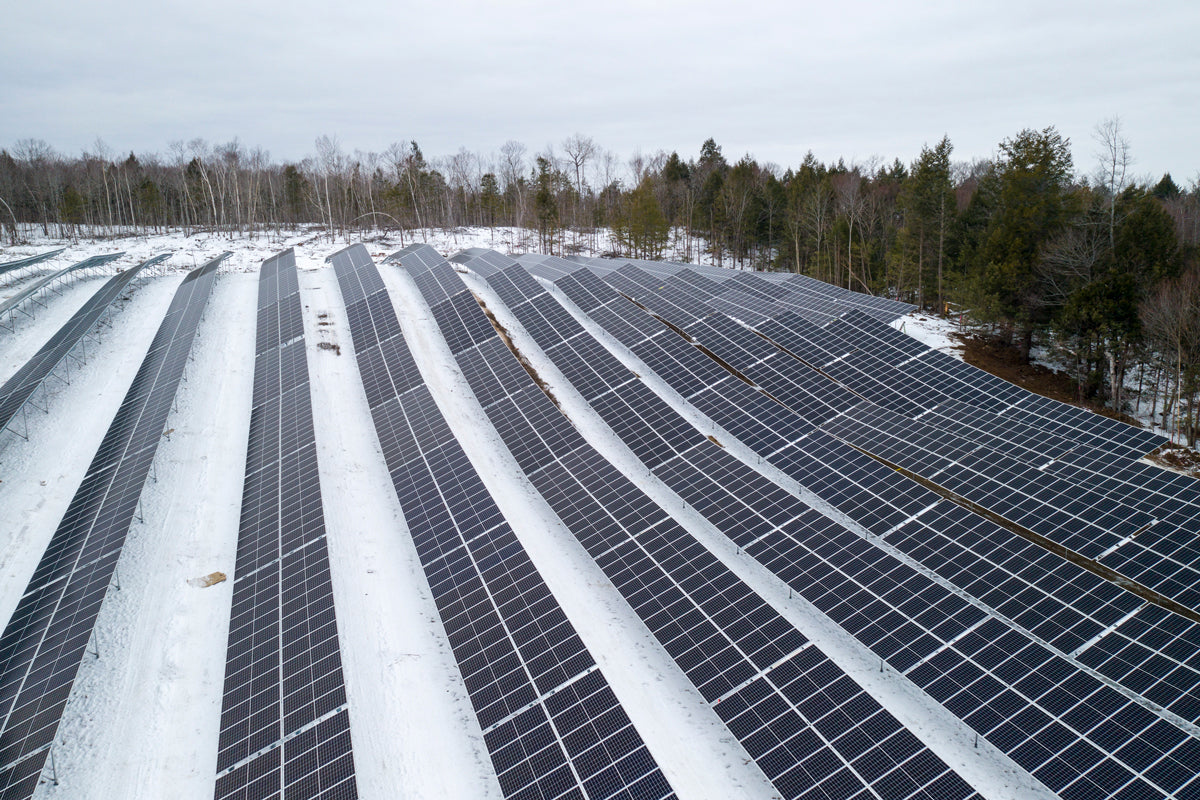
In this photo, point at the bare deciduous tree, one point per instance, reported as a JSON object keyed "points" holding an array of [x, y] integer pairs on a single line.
{"points": [[579, 149], [1114, 161], [1171, 319]]}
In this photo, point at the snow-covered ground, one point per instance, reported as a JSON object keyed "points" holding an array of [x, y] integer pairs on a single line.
{"points": [[143, 719], [934, 332]]}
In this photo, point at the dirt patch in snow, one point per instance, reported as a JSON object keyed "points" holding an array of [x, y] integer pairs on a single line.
{"points": [[205, 581], [508, 342], [1177, 458]]}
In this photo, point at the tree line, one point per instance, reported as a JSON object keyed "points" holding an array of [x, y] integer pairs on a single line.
{"points": [[1099, 267]]}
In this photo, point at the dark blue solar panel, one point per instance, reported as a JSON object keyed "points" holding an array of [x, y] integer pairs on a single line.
{"points": [[283, 677], [531, 681], [656, 565], [44, 641], [838, 593]]}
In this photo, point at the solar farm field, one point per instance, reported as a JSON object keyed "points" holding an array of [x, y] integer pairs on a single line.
{"points": [[310, 521]]}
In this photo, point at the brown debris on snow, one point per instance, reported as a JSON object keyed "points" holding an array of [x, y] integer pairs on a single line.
{"points": [[508, 342], [1177, 458], [211, 579]]}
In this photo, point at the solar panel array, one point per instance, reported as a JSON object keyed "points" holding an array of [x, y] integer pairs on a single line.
{"points": [[808, 725], [888, 346], [20, 387], [682, 299], [29, 261], [878, 497], [855, 348], [29, 291], [551, 723], [43, 644], [1066, 512], [1087, 682], [285, 725], [1148, 536], [838, 587], [739, 292], [870, 360]]}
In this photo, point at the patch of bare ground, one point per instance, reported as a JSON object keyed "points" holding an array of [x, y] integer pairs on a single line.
{"points": [[504, 337], [1004, 361], [1178, 458]]}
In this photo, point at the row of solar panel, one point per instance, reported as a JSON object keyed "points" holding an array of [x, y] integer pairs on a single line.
{"points": [[684, 299], [792, 708], [44, 641], [19, 388], [30, 292], [816, 298], [890, 488], [1095, 521], [1076, 510], [706, 496], [285, 728], [551, 723], [890, 501], [861, 352], [28, 261], [1188, 633]]}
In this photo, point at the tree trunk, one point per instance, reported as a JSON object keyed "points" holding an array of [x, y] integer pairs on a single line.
{"points": [[941, 309], [1113, 376], [1026, 344], [921, 267]]}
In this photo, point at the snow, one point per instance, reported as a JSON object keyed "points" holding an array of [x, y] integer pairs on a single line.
{"points": [[933, 332], [409, 712]]}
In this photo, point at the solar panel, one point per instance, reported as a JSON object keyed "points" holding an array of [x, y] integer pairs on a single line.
{"points": [[730, 417], [878, 366], [550, 721], [931, 377], [285, 727], [775, 292], [44, 641], [715, 485], [775, 304], [1074, 514], [25, 294], [29, 261], [550, 267], [21, 386], [755, 668]]}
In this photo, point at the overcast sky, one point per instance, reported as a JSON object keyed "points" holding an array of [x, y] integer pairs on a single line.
{"points": [[774, 79]]}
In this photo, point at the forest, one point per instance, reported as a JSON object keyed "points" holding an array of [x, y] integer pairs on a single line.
{"points": [[1097, 268]]}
